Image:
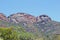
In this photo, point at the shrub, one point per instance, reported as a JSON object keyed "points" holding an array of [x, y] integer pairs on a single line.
{"points": [[8, 34]]}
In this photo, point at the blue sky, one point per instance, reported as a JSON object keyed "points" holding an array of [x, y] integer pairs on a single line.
{"points": [[33, 7]]}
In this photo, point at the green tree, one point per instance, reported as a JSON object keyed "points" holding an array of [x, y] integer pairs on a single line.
{"points": [[8, 34]]}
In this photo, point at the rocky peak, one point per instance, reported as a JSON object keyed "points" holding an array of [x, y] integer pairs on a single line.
{"points": [[43, 18], [3, 17], [18, 17]]}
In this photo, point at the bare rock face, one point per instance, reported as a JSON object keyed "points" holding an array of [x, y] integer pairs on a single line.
{"points": [[43, 18], [19, 17], [3, 17], [23, 17]]}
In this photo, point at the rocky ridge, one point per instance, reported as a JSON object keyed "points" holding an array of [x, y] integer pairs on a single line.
{"points": [[18, 17], [31, 23]]}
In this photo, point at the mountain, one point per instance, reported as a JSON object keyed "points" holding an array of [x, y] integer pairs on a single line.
{"points": [[36, 25], [22, 17]]}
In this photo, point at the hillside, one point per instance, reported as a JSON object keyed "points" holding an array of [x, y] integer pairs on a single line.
{"points": [[41, 27]]}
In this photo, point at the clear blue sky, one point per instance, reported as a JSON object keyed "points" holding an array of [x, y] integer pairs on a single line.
{"points": [[33, 7]]}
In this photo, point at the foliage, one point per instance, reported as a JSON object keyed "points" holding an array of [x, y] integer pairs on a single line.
{"points": [[26, 36], [23, 35], [8, 34], [14, 34], [56, 37]]}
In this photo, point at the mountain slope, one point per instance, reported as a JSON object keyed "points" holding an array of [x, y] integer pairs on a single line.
{"points": [[36, 25]]}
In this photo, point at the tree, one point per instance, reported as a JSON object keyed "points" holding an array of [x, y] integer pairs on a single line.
{"points": [[8, 34]]}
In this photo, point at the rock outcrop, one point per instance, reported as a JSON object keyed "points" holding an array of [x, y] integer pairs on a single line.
{"points": [[43, 19], [3, 17], [22, 17]]}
